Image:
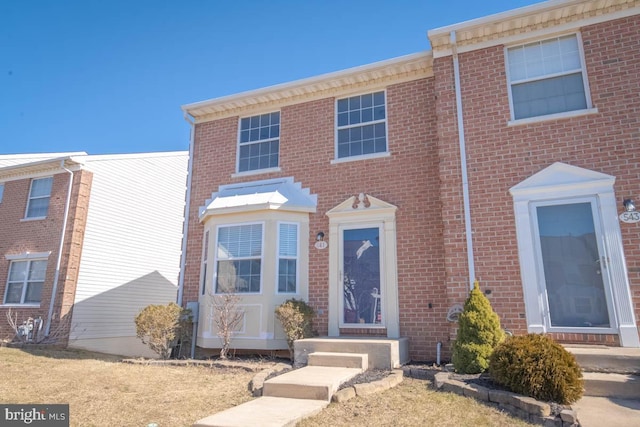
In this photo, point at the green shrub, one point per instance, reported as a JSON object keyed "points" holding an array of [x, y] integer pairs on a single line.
{"points": [[296, 317], [536, 366], [479, 332], [161, 326]]}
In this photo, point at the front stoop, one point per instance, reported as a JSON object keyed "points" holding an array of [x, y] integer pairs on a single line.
{"points": [[265, 412], [310, 382], [382, 353], [621, 386], [339, 360]]}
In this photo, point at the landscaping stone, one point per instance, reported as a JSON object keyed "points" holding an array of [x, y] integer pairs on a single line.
{"points": [[344, 395]]}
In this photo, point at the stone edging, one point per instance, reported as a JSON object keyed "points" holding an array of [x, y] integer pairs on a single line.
{"points": [[257, 382], [206, 363], [393, 379], [526, 408]]}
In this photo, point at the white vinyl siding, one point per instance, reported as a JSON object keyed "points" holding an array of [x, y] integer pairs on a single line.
{"points": [[239, 258], [547, 77], [287, 258], [39, 195], [132, 245], [25, 282]]}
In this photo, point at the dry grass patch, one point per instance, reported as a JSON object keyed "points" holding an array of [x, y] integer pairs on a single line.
{"points": [[412, 403], [101, 391]]}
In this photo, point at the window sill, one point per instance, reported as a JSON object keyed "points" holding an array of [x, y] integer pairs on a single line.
{"points": [[256, 172], [548, 117], [15, 305], [363, 157], [35, 218]]}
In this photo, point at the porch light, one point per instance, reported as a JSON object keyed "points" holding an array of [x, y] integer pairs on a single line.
{"points": [[320, 236], [629, 205]]}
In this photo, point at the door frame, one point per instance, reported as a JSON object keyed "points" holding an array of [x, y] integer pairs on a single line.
{"points": [[561, 181]]}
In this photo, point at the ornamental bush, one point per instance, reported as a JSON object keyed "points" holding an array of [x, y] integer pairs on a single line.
{"points": [[161, 326], [296, 317], [536, 366], [479, 332]]}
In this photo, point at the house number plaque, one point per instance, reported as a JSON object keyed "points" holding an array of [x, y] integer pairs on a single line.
{"points": [[630, 217]]}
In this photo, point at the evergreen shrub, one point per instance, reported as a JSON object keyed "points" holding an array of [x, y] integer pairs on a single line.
{"points": [[479, 332], [536, 366]]}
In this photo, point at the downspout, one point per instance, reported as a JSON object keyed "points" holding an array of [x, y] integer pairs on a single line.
{"points": [[60, 248], [185, 223], [463, 162]]}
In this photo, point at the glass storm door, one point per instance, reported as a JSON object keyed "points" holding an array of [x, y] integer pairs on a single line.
{"points": [[361, 303], [574, 265]]}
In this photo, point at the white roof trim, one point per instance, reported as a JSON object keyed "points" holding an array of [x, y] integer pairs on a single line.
{"points": [[271, 194]]}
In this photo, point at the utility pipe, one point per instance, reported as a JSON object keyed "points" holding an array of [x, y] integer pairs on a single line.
{"points": [[463, 162], [185, 223], [47, 329]]}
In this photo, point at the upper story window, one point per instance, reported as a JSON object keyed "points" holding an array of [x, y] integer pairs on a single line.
{"points": [[547, 77], [239, 258], [361, 125], [39, 194], [287, 258], [1, 192], [259, 142], [24, 285]]}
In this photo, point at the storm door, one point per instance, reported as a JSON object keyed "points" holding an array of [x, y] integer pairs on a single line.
{"points": [[362, 284], [572, 264]]}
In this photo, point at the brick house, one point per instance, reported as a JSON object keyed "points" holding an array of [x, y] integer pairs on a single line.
{"points": [[78, 248], [380, 193]]}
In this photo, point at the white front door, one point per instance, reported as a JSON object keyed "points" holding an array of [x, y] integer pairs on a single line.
{"points": [[572, 265]]}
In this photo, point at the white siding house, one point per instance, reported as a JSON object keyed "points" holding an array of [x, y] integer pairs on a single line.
{"points": [[131, 248]]}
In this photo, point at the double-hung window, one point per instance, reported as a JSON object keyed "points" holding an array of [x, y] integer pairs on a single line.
{"points": [[39, 195], [259, 142], [287, 258], [239, 258], [361, 125], [1, 192], [24, 285], [547, 77]]}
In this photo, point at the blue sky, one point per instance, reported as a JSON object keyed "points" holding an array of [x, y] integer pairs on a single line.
{"points": [[110, 76]]}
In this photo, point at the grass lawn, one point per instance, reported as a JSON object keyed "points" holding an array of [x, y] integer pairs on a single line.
{"points": [[101, 391]]}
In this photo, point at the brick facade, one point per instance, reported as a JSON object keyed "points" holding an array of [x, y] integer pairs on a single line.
{"points": [[422, 177]]}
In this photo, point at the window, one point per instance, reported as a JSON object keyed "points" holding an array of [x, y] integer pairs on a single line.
{"points": [[287, 258], [547, 77], [361, 125], [259, 142], [24, 285], [239, 258], [39, 195], [1, 192]]}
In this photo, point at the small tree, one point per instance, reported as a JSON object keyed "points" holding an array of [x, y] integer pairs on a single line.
{"points": [[479, 332], [160, 326], [296, 317], [227, 316]]}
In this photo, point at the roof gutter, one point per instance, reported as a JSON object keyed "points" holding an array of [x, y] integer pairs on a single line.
{"points": [[185, 223], [60, 248], [463, 162]]}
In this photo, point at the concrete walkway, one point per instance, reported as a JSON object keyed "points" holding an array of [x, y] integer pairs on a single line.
{"points": [[607, 411]]}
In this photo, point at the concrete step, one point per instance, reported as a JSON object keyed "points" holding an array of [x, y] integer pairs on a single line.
{"points": [[621, 386], [339, 360], [311, 382], [383, 353], [265, 412], [607, 359]]}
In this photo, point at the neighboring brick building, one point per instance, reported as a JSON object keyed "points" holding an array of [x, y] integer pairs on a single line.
{"points": [[87, 277], [349, 189]]}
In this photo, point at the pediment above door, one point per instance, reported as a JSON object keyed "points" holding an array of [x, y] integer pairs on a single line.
{"points": [[362, 205]]}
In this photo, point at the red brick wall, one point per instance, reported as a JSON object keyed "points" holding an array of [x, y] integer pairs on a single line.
{"points": [[500, 156], [17, 237], [408, 179]]}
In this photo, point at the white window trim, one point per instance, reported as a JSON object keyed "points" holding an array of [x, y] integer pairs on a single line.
{"points": [[296, 258], [28, 258], [214, 282], [29, 198], [237, 173], [385, 153], [566, 114], [27, 255], [206, 242]]}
